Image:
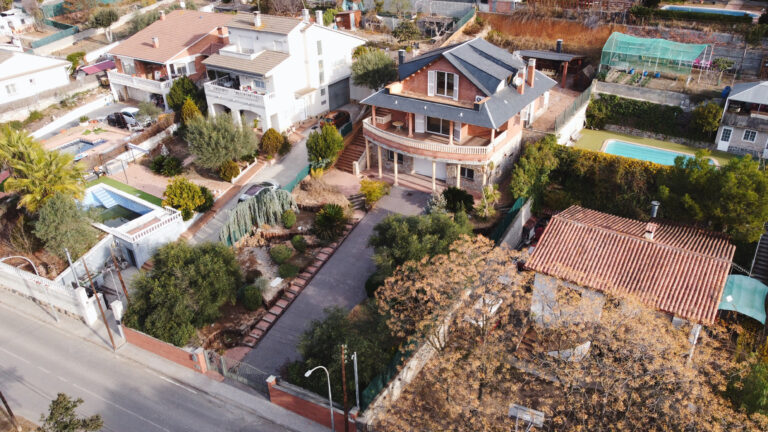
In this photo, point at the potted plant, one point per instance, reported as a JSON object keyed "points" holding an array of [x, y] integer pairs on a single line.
{"points": [[83, 120]]}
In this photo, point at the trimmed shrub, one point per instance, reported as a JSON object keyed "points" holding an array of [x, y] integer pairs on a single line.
{"points": [[280, 253], [229, 170], [373, 283], [299, 243], [271, 143], [289, 218], [373, 190], [330, 222], [457, 199], [168, 166], [285, 147], [183, 195], [252, 297], [208, 200], [287, 270]]}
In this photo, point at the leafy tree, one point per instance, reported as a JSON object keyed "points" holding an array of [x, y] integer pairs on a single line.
{"points": [[75, 59], [183, 195], [329, 16], [373, 69], [189, 111], [436, 204], [457, 199], [330, 222], [15, 145], [141, 21], [491, 196], [400, 7], [104, 18], [182, 89], [62, 224], [531, 174], [62, 417], [265, 208], [252, 298], [763, 20], [398, 239], [751, 392], [229, 170], [324, 147], [39, 174], [721, 64], [360, 50], [207, 200], [271, 142], [149, 109], [216, 140], [706, 117], [406, 31], [184, 290]]}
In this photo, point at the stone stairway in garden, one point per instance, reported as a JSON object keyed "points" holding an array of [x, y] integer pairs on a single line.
{"points": [[352, 153], [760, 264], [357, 201]]}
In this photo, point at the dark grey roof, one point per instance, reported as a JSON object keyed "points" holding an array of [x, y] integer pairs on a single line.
{"points": [[492, 114], [753, 92], [548, 55], [416, 63]]}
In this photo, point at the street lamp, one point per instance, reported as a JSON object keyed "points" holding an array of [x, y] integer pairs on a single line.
{"points": [[47, 293], [330, 398]]}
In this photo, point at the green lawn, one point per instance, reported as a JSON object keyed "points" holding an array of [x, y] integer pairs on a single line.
{"points": [[593, 140], [125, 188]]}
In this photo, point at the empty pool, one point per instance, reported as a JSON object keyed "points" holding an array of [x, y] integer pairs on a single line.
{"points": [[114, 209], [711, 10], [643, 152], [79, 147]]}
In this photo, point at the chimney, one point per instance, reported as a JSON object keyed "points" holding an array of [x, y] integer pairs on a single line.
{"points": [[162, 16], [319, 17], [182, 4], [655, 208], [257, 19], [156, 42], [559, 46], [650, 228], [400, 56], [531, 71], [519, 82], [305, 15], [223, 32]]}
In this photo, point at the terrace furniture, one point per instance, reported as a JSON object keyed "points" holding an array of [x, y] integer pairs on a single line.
{"points": [[398, 125]]}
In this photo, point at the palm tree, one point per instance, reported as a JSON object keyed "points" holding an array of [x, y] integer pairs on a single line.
{"points": [[14, 145], [39, 174]]}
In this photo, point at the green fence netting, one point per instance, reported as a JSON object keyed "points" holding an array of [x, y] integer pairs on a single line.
{"points": [[303, 173], [501, 228], [627, 52], [381, 380], [66, 30]]}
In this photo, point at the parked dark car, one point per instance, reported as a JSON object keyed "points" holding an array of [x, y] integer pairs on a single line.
{"points": [[336, 118], [117, 120]]}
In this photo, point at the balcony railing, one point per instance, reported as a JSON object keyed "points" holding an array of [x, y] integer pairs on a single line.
{"points": [[216, 91], [140, 83], [427, 145], [751, 120]]}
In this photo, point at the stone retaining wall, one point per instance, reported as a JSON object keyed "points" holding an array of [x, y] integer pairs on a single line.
{"points": [[657, 136]]}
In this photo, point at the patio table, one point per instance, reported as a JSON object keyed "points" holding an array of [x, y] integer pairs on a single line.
{"points": [[398, 125]]}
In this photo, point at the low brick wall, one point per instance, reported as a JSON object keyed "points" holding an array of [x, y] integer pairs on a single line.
{"points": [[305, 403], [194, 361]]}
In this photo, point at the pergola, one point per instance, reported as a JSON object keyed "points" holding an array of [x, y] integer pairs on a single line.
{"points": [[653, 55]]}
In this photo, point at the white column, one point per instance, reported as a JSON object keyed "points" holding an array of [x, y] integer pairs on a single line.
{"points": [[458, 176], [367, 155], [434, 174], [396, 183], [378, 150], [165, 102], [450, 134], [236, 117]]}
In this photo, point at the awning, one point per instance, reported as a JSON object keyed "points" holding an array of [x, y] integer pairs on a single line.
{"points": [[98, 67], [746, 296]]}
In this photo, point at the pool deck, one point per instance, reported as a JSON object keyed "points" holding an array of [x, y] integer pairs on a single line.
{"points": [[110, 134], [595, 140]]}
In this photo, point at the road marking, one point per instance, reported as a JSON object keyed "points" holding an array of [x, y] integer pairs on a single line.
{"points": [[44, 369], [176, 384], [119, 407], [63, 379], [14, 355]]}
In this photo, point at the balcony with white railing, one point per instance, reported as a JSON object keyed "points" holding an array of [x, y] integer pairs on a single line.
{"points": [[152, 86], [434, 146], [225, 91]]}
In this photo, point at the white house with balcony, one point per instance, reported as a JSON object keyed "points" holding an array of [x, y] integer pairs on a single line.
{"points": [[279, 70], [148, 62], [744, 125]]}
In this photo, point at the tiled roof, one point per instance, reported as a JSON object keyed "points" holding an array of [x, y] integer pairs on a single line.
{"points": [[681, 271], [269, 23], [260, 65], [179, 30]]}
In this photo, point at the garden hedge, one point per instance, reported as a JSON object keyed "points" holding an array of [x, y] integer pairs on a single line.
{"points": [[666, 14]]}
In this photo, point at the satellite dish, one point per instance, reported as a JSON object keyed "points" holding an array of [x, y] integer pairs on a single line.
{"points": [[517, 81], [478, 99]]}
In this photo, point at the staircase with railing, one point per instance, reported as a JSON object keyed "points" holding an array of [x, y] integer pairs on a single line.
{"points": [[760, 262]]}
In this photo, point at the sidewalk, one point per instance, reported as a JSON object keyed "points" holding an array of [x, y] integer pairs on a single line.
{"points": [[234, 395]]}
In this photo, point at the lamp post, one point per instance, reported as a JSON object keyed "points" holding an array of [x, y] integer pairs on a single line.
{"points": [[47, 293], [330, 398]]}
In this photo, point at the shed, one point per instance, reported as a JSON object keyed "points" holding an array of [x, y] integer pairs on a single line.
{"points": [[349, 19], [557, 60]]}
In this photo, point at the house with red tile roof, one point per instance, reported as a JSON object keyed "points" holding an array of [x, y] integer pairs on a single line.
{"points": [[680, 270], [148, 62]]}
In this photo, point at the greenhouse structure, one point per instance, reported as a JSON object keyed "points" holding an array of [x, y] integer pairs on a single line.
{"points": [[628, 53]]}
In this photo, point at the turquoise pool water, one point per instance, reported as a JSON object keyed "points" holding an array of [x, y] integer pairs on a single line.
{"points": [[635, 151], [710, 10]]}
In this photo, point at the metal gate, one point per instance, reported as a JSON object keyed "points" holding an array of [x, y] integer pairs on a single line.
{"points": [[238, 371], [338, 94]]}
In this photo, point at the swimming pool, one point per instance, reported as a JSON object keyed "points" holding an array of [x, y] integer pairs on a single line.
{"points": [[642, 152], [711, 10], [78, 147]]}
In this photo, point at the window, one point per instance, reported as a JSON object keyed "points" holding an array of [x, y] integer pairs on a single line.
{"points": [[321, 74], [438, 126], [10, 89], [726, 135], [750, 135], [467, 173], [259, 84], [391, 156], [319, 47], [322, 91], [129, 68], [444, 84]]}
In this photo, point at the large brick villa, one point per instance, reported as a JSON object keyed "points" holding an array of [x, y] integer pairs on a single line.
{"points": [[456, 115]]}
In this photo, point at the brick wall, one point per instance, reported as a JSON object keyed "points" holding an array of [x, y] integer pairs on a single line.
{"points": [[417, 82], [194, 361], [305, 404]]}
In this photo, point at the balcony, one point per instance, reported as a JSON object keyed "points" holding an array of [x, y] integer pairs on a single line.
{"points": [[148, 85], [223, 91], [473, 149]]}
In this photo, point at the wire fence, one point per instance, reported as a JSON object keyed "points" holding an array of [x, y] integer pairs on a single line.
{"points": [[238, 371], [468, 16], [577, 104]]}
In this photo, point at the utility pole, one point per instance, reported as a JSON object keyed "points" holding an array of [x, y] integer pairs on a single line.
{"points": [[344, 390], [119, 275], [10, 413], [101, 309]]}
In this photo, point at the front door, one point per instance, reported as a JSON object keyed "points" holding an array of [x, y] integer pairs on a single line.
{"points": [[424, 167]]}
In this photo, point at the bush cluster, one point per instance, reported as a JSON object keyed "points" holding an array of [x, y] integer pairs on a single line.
{"points": [[207, 200], [271, 143], [287, 270], [229, 170], [330, 222], [168, 166], [183, 195], [289, 218], [458, 200], [666, 14], [252, 294], [373, 190], [299, 243], [280, 253]]}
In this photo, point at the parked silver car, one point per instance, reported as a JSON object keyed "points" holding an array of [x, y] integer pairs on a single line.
{"points": [[257, 189]]}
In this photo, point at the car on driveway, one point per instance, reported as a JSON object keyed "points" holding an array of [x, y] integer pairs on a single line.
{"points": [[258, 188], [133, 113], [336, 118]]}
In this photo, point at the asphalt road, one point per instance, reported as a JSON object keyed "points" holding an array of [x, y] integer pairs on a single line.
{"points": [[38, 361]]}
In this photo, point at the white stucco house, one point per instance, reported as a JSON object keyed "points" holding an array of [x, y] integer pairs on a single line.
{"points": [[279, 70], [24, 75]]}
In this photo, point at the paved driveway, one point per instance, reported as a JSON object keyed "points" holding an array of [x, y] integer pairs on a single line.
{"points": [[341, 282]]}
